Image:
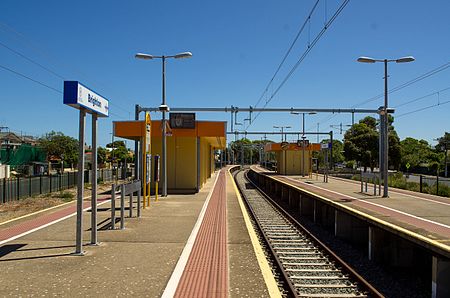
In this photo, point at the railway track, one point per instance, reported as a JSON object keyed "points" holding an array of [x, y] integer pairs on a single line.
{"points": [[307, 268]]}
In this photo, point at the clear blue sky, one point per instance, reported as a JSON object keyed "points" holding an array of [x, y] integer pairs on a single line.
{"points": [[236, 46]]}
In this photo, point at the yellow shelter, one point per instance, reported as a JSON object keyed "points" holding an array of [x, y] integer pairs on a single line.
{"points": [[290, 158], [190, 153]]}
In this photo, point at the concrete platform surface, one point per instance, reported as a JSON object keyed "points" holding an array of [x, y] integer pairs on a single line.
{"points": [[137, 261]]}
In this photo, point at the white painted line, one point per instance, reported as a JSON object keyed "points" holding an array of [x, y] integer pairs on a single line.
{"points": [[40, 211], [269, 279], [402, 193], [174, 280], [37, 212], [371, 203], [46, 225]]}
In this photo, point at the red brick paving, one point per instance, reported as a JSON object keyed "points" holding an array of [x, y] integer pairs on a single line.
{"points": [[44, 219], [384, 211], [206, 271]]}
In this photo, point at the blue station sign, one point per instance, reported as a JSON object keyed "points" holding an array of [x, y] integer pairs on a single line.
{"points": [[79, 96]]}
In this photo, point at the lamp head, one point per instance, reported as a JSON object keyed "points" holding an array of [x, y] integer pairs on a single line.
{"points": [[143, 56], [183, 55], [405, 59], [366, 60]]}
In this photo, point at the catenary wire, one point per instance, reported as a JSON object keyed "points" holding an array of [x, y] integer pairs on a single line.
{"points": [[424, 108], [303, 56], [396, 88], [42, 84], [35, 48], [288, 52]]}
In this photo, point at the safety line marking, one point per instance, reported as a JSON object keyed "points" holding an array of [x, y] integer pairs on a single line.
{"points": [[47, 224], [375, 204], [174, 280], [397, 228], [392, 189], [266, 271], [37, 212]]}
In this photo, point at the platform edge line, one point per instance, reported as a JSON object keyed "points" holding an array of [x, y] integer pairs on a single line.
{"points": [[174, 280], [379, 221], [46, 225], [40, 211], [378, 205], [269, 279]]}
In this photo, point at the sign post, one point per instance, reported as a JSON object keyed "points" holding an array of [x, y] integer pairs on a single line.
{"points": [[156, 176], [326, 147], [87, 101], [146, 160]]}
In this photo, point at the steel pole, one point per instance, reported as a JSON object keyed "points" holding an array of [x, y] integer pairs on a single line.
{"points": [[331, 152], [80, 184], [318, 132], [303, 145], [136, 147], [163, 123], [386, 132], [381, 148], [445, 159], [94, 182]]}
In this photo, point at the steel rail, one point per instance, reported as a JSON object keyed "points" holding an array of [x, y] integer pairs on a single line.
{"points": [[368, 287], [289, 286]]}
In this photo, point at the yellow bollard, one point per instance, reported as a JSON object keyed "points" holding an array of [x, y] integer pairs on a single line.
{"points": [[148, 192], [156, 191]]}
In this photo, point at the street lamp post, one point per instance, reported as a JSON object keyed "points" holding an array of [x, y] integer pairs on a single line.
{"points": [[303, 138], [284, 151], [164, 109], [282, 131], [385, 116]]}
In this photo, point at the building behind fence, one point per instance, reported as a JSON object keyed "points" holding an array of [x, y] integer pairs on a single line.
{"points": [[16, 188]]}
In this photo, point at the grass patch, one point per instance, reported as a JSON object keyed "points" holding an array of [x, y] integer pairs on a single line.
{"points": [[64, 196]]}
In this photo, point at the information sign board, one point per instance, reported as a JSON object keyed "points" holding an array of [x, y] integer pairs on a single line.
{"points": [[79, 96], [182, 120], [284, 145]]}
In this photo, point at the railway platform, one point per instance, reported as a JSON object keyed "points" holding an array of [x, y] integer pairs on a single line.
{"points": [[183, 246], [406, 229]]}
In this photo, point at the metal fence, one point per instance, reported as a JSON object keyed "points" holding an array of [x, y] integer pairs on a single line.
{"points": [[17, 188]]}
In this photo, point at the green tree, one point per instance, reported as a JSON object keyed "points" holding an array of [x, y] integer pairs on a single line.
{"points": [[395, 155], [250, 150], [420, 156], [60, 146], [361, 143], [119, 151], [101, 155], [443, 146], [338, 148]]}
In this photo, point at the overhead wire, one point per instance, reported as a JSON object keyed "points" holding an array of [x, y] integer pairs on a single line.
{"points": [[422, 97], [288, 51], [32, 46], [397, 88], [29, 78], [424, 108], [303, 56], [31, 60], [408, 83], [40, 83]]}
